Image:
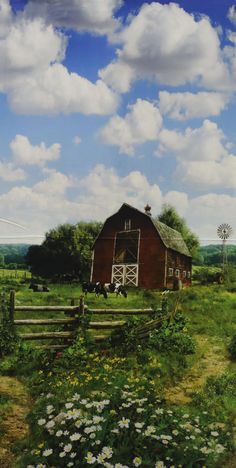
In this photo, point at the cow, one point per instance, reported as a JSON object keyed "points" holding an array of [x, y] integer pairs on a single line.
{"points": [[97, 288], [116, 288], [38, 287]]}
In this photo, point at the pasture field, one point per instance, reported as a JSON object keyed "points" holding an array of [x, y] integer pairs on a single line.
{"points": [[166, 402], [14, 274]]}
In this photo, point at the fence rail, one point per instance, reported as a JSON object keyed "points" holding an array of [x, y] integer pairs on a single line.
{"points": [[72, 323]]}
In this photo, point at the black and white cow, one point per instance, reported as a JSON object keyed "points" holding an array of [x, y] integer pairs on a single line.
{"points": [[38, 287], [97, 288], [116, 288]]}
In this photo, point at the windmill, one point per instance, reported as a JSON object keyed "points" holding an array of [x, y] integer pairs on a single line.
{"points": [[224, 231]]}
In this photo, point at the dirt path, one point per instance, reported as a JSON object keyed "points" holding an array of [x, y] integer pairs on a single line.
{"points": [[211, 361], [13, 425]]}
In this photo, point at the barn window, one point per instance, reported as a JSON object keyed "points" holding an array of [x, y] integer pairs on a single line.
{"points": [[189, 274], [126, 247], [177, 273], [127, 224], [170, 271], [184, 274]]}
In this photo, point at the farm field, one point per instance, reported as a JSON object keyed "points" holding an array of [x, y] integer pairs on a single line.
{"points": [[169, 401]]}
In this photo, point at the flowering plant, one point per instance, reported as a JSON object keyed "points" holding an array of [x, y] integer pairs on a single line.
{"points": [[130, 428]]}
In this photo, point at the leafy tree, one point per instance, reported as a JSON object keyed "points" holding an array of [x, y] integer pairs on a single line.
{"points": [[171, 218], [66, 251]]}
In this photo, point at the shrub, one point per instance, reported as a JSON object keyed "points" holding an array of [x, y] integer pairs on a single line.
{"points": [[8, 338], [173, 336]]}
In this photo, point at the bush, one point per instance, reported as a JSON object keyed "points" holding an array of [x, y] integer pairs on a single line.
{"points": [[8, 338], [232, 347], [173, 336]]}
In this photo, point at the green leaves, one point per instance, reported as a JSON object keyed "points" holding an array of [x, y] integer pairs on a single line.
{"points": [[171, 218], [65, 253]]}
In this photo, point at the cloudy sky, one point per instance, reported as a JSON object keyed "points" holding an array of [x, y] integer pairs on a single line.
{"points": [[111, 101]]}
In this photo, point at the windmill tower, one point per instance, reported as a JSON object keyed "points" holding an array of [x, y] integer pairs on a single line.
{"points": [[224, 231]]}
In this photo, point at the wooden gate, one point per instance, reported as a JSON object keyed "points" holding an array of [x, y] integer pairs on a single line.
{"points": [[125, 274]]}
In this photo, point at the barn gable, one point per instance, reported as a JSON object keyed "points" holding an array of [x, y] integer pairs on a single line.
{"points": [[135, 250]]}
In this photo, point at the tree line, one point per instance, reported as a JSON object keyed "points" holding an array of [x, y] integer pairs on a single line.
{"points": [[66, 250]]}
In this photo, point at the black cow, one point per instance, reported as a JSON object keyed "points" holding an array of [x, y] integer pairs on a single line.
{"points": [[38, 287], [97, 288], [116, 288]]}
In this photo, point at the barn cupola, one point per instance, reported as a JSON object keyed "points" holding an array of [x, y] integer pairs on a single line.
{"points": [[147, 209]]}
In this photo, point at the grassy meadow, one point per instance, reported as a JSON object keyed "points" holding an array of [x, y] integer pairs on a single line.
{"points": [[169, 401]]}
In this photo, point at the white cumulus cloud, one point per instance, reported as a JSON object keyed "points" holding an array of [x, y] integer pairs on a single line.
{"points": [[202, 155], [10, 173], [203, 143], [232, 14], [142, 123], [206, 212], [96, 16], [184, 106], [24, 153], [166, 44], [57, 90], [35, 80]]}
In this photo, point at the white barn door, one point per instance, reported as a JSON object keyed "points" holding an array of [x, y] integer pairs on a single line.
{"points": [[125, 274]]}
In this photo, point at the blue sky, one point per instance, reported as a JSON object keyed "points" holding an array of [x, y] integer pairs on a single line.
{"points": [[111, 101]]}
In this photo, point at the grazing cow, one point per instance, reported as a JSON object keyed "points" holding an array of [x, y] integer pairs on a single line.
{"points": [[97, 288], [38, 287], [116, 288]]}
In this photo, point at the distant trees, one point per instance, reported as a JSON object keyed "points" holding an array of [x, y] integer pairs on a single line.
{"points": [[171, 218], [66, 251], [13, 255], [212, 254]]}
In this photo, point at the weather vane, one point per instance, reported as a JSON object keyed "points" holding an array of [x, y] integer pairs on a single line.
{"points": [[224, 231]]}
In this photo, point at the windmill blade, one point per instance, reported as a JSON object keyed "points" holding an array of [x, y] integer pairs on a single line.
{"points": [[3, 220]]}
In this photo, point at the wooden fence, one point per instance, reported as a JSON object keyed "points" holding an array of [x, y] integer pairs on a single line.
{"points": [[72, 321]]}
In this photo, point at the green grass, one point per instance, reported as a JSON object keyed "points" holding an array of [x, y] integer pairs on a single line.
{"points": [[211, 310], [6, 273]]}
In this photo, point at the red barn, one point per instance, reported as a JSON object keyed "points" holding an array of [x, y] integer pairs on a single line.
{"points": [[135, 250]]}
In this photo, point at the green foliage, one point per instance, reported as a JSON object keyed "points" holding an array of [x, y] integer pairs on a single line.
{"points": [[219, 397], [212, 254], [8, 338], [65, 253], [126, 339], [171, 218], [232, 347], [207, 275], [173, 336], [13, 254]]}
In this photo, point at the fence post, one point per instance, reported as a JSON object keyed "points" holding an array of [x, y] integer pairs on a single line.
{"points": [[81, 305], [164, 305], [12, 305], [72, 303]]}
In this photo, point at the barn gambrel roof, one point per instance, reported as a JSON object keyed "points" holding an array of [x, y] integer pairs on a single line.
{"points": [[171, 238]]}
